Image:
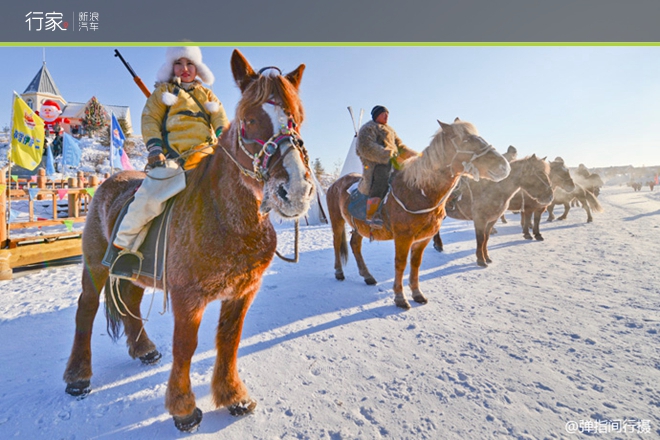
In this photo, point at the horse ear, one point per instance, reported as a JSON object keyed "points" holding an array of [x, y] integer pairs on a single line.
{"points": [[545, 158], [242, 70], [457, 119], [295, 76], [444, 126], [534, 156]]}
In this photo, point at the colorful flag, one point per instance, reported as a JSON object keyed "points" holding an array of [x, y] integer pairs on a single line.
{"points": [[27, 140], [50, 162], [117, 139], [71, 151]]}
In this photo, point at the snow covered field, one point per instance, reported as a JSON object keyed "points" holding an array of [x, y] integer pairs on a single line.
{"points": [[554, 337]]}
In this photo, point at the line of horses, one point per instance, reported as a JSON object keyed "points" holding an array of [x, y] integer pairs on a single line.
{"points": [[220, 224]]}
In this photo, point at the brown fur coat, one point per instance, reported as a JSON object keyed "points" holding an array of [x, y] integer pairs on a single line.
{"points": [[377, 144]]}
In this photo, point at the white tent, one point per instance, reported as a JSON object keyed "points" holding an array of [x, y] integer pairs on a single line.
{"points": [[318, 211], [352, 163]]}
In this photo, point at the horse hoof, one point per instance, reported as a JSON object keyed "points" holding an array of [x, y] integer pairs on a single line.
{"points": [[151, 358], [438, 247], [242, 408], [527, 236], [339, 276], [401, 302], [488, 260], [482, 264], [189, 423], [79, 389], [539, 237], [420, 299], [371, 281]]}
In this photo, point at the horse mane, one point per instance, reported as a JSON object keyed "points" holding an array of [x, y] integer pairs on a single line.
{"points": [[533, 158], [278, 88], [422, 170]]}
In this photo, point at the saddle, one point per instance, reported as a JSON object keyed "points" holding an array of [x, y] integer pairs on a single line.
{"points": [[357, 203], [153, 249]]}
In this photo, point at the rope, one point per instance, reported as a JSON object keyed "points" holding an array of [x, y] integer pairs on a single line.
{"points": [[295, 246]]}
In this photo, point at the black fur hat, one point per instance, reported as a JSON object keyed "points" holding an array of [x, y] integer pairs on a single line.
{"points": [[377, 111]]}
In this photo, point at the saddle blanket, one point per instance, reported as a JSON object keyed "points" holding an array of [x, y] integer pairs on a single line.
{"points": [[153, 248]]}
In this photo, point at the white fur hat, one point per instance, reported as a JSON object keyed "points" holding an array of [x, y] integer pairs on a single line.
{"points": [[194, 54]]}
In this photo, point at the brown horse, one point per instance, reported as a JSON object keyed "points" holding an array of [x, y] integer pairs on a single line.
{"points": [[414, 207], [220, 242], [586, 198], [484, 202], [592, 182], [560, 177]]}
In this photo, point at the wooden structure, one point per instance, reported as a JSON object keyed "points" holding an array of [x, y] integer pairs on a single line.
{"points": [[38, 248]]}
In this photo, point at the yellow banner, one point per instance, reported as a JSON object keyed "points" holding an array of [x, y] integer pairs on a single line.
{"points": [[27, 139]]}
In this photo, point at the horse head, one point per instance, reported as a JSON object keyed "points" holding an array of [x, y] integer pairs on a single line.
{"points": [[536, 179], [267, 146], [472, 155], [560, 176]]}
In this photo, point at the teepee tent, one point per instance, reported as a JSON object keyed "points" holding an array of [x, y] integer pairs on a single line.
{"points": [[318, 211], [352, 163]]}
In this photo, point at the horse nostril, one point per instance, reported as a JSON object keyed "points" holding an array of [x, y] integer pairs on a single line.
{"points": [[281, 192]]}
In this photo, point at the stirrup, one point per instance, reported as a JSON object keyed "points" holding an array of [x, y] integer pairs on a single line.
{"points": [[123, 265]]}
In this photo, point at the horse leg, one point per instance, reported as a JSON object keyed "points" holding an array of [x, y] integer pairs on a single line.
{"points": [[339, 244], [537, 220], [416, 255], [480, 233], [551, 215], [567, 207], [139, 344], [179, 398], [585, 205], [78, 370], [437, 242], [489, 228], [356, 246], [227, 387], [402, 247], [503, 219], [526, 218]]}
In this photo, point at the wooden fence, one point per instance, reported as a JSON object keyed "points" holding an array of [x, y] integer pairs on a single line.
{"points": [[24, 249]]}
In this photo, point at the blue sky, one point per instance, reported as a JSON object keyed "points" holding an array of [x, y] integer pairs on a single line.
{"points": [[594, 105]]}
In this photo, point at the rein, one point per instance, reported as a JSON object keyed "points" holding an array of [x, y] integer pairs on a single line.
{"points": [[468, 167], [261, 162]]}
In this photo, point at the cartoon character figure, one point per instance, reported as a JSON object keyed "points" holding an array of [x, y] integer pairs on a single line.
{"points": [[50, 113]]}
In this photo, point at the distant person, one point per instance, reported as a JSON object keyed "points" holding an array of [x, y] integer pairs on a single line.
{"points": [[511, 153], [379, 148], [181, 123]]}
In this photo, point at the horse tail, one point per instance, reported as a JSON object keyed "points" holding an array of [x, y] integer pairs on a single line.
{"points": [[343, 248], [593, 202], [113, 308]]}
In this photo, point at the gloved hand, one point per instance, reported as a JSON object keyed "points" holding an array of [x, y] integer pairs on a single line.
{"points": [[156, 159], [394, 160]]}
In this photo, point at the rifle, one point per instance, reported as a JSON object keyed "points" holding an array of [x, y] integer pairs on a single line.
{"points": [[136, 78]]}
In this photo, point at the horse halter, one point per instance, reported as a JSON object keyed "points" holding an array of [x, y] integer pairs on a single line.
{"points": [[261, 163], [469, 167]]}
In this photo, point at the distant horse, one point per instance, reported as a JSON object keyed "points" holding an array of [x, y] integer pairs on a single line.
{"points": [[485, 201], [219, 244], [414, 207], [528, 207], [636, 186], [587, 199], [592, 182]]}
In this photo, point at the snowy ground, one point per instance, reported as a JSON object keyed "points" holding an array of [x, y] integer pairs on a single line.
{"points": [[553, 337]]}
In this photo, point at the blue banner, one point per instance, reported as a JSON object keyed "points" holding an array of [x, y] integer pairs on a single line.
{"points": [[50, 162], [71, 151], [117, 139]]}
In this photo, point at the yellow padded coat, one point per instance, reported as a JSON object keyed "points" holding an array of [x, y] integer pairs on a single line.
{"points": [[186, 130]]}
